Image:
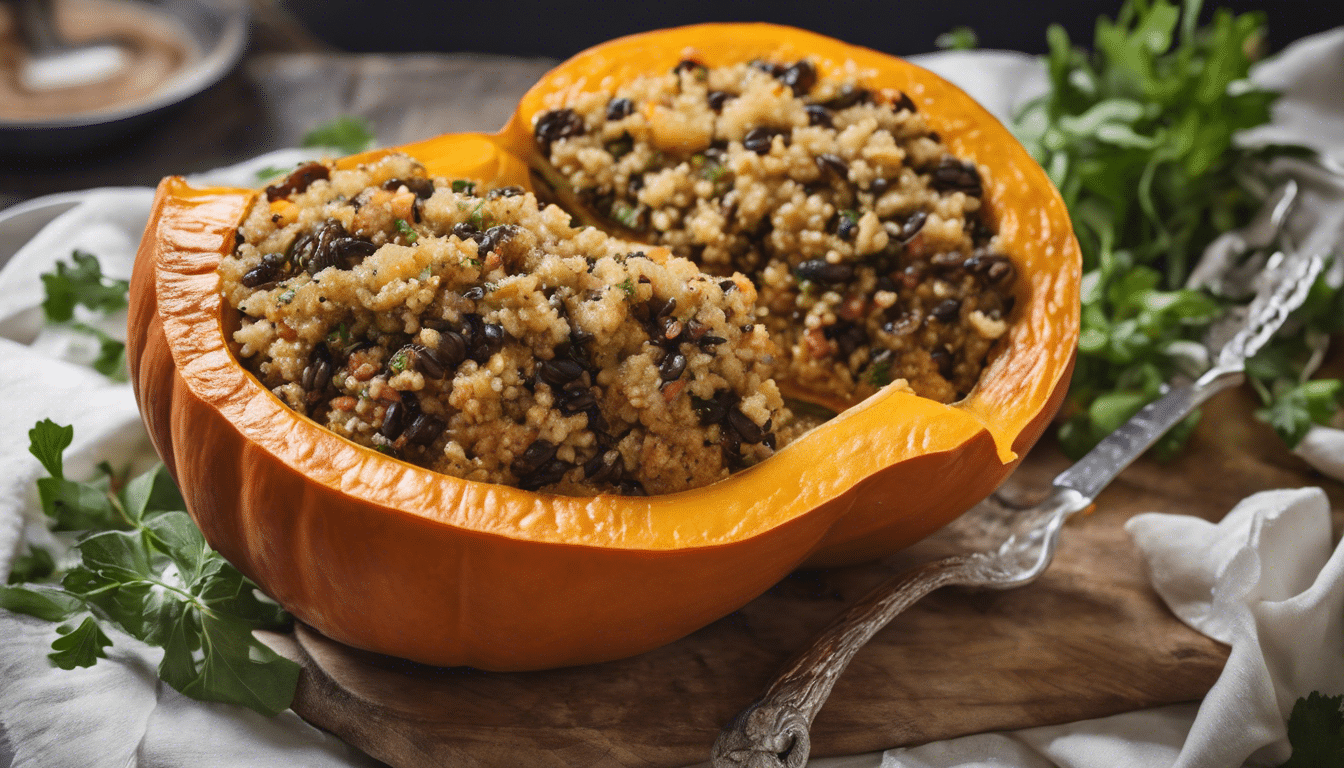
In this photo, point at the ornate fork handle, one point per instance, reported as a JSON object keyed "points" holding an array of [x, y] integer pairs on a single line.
{"points": [[774, 731]]}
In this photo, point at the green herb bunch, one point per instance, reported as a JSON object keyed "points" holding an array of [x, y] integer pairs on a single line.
{"points": [[1138, 135], [144, 567]]}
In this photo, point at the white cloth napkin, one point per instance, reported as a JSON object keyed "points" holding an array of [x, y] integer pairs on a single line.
{"points": [[1263, 580]]}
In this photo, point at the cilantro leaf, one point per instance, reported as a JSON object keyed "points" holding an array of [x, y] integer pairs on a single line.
{"points": [[1316, 731], [348, 134], [47, 440], [476, 218], [178, 537], [81, 283], [80, 646]]}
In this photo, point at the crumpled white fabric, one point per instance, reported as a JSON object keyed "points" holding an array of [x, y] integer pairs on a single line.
{"points": [[1263, 580]]}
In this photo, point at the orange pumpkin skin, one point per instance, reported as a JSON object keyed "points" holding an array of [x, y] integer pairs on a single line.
{"points": [[397, 559]]}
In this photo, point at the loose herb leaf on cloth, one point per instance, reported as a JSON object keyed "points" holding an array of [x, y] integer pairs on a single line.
{"points": [[34, 565], [80, 646], [145, 568], [1137, 134], [85, 284], [348, 134], [48, 440], [81, 282], [1316, 731], [111, 360]]}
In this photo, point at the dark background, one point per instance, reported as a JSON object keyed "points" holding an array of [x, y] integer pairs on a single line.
{"points": [[559, 29], [265, 104]]}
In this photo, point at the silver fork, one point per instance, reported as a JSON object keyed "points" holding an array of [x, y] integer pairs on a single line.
{"points": [[774, 731]]}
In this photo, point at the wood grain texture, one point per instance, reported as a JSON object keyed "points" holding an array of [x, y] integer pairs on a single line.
{"points": [[1089, 639]]}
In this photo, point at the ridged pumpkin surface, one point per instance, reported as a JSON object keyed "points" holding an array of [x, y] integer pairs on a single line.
{"points": [[397, 559]]}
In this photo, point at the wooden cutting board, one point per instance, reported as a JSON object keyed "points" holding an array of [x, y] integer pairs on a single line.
{"points": [[1089, 639]]}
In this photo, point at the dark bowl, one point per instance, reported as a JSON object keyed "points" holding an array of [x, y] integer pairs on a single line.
{"points": [[219, 28]]}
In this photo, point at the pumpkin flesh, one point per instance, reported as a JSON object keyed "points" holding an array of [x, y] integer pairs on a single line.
{"points": [[397, 559]]}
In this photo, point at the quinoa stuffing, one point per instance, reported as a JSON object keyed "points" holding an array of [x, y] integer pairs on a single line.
{"points": [[482, 336], [861, 232], [759, 225]]}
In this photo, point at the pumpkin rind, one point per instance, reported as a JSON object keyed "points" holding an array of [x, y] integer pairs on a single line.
{"points": [[397, 559]]}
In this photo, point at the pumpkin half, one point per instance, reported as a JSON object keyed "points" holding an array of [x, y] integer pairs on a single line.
{"points": [[394, 558]]}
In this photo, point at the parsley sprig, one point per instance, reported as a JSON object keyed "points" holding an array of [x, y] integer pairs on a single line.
{"points": [[145, 568], [1138, 135]]}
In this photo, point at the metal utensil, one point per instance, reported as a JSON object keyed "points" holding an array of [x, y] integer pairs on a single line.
{"points": [[53, 62], [773, 731]]}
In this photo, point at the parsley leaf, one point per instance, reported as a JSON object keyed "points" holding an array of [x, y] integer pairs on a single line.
{"points": [[1316, 731], [1292, 409], [81, 282], [272, 171], [406, 231], [45, 603], [111, 360], [348, 134], [1279, 373], [34, 565], [626, 214], [80, 646], [145, 567], [958, 39], [48, 440], [85, 284]]}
